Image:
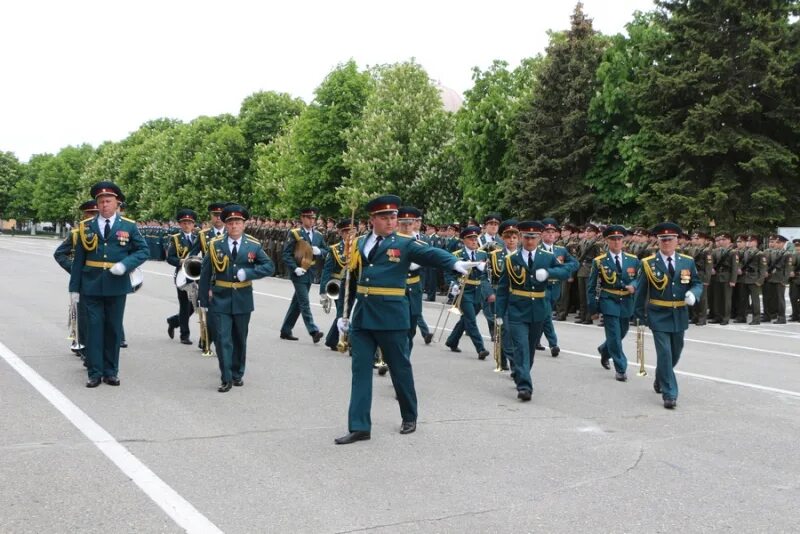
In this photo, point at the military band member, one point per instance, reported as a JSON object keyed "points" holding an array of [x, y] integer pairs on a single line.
{"points": [[794, 284], [488, 241], [381, 318], [233, 261], [725, 272], [408, 222], [612, 284], [548, 242], [302, 276], [109, 246], [430, 277], [496, 265], [475, 288], [182, 245], [668, 283], [522, 298], [334, 269], [588, 250], [754, 273], [63, 256], [216, 227]]}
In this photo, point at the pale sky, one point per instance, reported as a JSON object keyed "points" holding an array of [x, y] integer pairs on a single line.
{"points": [[90, 71]]}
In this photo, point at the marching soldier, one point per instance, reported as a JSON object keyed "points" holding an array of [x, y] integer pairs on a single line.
{"points": [[334, 269], [726, 268], [754, 273], [668, 283], [779, 265], [233, 261], [522, 297], [381, 318], [182, 245], [588, 250], [548, 243], [475, 287], [409, 220], [301, 275], [497, 262], [612, 284], [109, 246], [794, 287], [217, 226]]}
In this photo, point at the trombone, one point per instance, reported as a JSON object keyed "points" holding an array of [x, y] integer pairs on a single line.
{"points": [[640, 349], [455, 309]]}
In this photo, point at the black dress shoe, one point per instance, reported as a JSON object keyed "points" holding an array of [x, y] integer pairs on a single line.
{"points": [[587, 321], [604, 359], [504, 366], [316, 336], [579, 320], [539, 347], [621, 377], [669, 404], [238, 382], [93, 383], [452, 348], [352, 437], [334, 348], [186, 341], [701, 323], [290, 337], [171, 332], [382, 370], [123, 344], [755, 323], [656, 386], [524, 395], [483, 354], [111, 380], [408, 427], [225, 387], [555, 351], [428, 338], [780, 320], [561, 318], [724, 323]]}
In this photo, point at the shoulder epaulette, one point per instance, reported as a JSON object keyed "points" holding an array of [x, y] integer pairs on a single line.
{"points": [[127, 219], [512, 253], [74, 231], [631, 255], [456, 253], [218, 238], [685, 256], [87, 220], [601, 256], [545, 251], [296, 234], [176, 234], [421, 242], [403, 235], [253, 239], [648, 258]]}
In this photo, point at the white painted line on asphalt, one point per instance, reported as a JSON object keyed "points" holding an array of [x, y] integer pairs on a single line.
{"points": [[705, 377], [175, 506]]}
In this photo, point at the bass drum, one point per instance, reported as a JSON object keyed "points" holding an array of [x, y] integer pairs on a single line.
{"points": [[137, 279]]}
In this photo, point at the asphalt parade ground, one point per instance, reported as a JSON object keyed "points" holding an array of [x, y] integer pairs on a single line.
{"points": [[165, 452]]}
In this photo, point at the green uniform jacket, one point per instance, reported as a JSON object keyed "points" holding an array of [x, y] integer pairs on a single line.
{"points": [[519, 293], [334, 266], [666, 308], [382, 300], [726, 264], [295, 235], [477, 285], [606, 287], [94, 256], [588, 250], [754, 267], [229, 295], [66, 250], [180, 249], [779, 264]]}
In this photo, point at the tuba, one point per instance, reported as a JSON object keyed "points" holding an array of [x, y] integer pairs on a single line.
{"points": [[303, 254], [189, 272]]}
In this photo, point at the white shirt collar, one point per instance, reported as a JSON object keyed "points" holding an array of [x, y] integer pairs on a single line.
{"points": [[664, 258], [238, 243], [102, 221]]}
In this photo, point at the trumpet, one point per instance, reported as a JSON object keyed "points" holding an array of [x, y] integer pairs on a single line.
{"points": [[498, 346], [640, 349], [344, 343]]}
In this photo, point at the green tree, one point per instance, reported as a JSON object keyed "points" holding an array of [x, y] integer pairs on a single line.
{"points": [[264, 115], [553, 142], [719, 120], [485, 129], [57, 180], [10, 171]]}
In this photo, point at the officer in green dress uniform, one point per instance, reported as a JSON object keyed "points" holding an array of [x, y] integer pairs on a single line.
{"points": [[233, 261], [668, 283], [63, 256], [522, 298], [754, 273], [216, 228], [109, 246], [381, 317], [302, 276], [430, 277], [475, 289], [334, 269], [548, 243], [490, 240], [182, 245], [612, 284], [408, 222], [496, 265]]}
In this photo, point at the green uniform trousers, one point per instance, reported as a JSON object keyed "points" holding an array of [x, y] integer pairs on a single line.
{"points": [[300, 304], [669, 346], [616, 328], [524, 337], [104, 334], [231, 343]]}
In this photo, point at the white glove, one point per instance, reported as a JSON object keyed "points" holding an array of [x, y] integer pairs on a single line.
{"points": [[316, 251], [690, 299], [455, 290], [299, 271], [413, 266], [481, 266], [241, 275], [117, 269], [464, 266], [542, 274], [74, 297], [343, 324], [498, 321]]}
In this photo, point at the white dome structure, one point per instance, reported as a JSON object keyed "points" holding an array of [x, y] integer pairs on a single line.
{"points": [[451, 99]]}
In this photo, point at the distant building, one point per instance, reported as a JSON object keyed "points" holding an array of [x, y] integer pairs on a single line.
{"points": [[451, 99]]}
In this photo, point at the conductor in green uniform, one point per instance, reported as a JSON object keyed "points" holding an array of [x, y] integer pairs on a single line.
{"points": [[233, 261], [381, 315], [109, 246]]}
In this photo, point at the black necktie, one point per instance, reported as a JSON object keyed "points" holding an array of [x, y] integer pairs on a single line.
{"points": [[670, 267], [235, 250], [619, 266], [107, 230], [472, 255], [374, 248], [530, 261]]}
